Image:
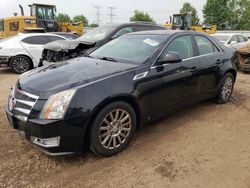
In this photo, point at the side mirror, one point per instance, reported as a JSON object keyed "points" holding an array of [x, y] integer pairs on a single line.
{"points": [[233, 42], [171, 57]]}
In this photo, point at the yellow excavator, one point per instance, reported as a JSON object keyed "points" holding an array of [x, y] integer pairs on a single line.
{"points": [[184, 22], [41, 19]]}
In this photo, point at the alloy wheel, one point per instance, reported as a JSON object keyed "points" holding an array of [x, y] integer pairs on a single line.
{"points": [[115, 128], [20, 65], [227, 88]]}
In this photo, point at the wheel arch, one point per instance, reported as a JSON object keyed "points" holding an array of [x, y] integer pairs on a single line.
{"points": [[232, 71], [123, 98]]}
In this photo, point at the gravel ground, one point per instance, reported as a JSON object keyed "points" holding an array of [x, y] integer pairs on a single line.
{"points": [[206, 145]]}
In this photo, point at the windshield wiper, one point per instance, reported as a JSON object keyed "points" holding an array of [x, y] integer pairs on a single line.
{"points": [[108, 59]]}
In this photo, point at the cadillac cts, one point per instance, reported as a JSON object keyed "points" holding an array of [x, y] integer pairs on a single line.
{"points": [[98, 101]]}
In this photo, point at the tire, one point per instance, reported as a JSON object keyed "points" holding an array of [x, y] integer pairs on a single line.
{"points": [[112, 129], [226, 89], [20, 64]]}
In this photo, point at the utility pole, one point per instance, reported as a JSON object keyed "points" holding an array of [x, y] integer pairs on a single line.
{"points": [[112, 15], [98, 14]]}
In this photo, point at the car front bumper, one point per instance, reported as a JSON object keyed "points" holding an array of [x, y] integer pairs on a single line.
{"points": [[53, 137]]}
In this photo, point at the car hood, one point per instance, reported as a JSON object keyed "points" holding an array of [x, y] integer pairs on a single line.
{"points": [[68, 74], [64, 45]]}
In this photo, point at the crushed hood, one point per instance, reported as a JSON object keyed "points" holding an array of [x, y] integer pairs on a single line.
{"points": [[64, 45]]}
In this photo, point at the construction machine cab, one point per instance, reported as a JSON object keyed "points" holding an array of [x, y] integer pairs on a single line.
{"points": [[182, 22], [45, 15]]}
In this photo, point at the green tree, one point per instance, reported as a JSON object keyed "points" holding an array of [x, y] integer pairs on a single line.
{"points": [[61, 17], [220, 12], [141, 16], [81, 18], [93, 25], [188, 8], [242, 15]]}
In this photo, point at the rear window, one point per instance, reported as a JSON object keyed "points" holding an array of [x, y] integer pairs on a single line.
{"points": [[205, 46]]}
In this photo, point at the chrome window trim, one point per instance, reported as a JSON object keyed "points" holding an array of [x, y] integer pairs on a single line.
{"points": [[190, 58]]}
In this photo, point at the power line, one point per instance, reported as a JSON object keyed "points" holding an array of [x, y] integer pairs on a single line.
{"points": [[98, 14], [112, 15]]}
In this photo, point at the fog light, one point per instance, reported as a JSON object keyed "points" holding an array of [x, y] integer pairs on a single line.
{"points": [[46, 142]]}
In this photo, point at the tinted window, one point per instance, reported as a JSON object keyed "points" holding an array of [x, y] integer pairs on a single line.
{"points": [[123, 31], [39, 40], [54, 38], [205, 46], [181, 45]]}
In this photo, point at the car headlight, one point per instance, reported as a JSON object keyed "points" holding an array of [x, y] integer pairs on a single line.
{"points": [[57, 105]]}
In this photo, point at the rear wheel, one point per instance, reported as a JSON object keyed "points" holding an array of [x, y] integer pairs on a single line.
{"points": [[226, 89], [20, 64], [112, 129]]}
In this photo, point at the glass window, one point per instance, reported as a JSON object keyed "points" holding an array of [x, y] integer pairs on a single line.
{"points": [[205, 46], [54, 38], [14, 26], [181, 45], [36, 40], [96, 34], [134, 49], [123, 31], [234, 38], [242, 38], [45, 13], [222, 38]]}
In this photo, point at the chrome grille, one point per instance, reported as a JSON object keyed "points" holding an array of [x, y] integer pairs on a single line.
{"points": [[21, 103]]}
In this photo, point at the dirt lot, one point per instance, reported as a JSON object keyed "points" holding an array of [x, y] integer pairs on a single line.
{"points": [[207, 145]]}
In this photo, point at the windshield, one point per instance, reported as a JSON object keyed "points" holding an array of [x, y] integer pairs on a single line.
{"points": [[134, 49], [222, 38], [96, 34], [45, 13]]}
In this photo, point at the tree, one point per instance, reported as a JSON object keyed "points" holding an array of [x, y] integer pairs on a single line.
{"points": [[93, 25], [141, 16], [61, 17], [81, 18], [188, 8], [228, 14]]}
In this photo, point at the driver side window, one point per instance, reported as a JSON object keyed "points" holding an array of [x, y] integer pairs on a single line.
{"points": [[123, 31], [181, 45]]}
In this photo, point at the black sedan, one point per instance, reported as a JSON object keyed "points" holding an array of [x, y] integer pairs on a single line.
{"points": [[98, 101]]}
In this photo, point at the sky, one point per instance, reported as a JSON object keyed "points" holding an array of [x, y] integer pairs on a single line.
{"points": [[160, 10]]}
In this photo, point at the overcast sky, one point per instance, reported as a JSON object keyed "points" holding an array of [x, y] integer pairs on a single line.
{"points": [[160, 10]]}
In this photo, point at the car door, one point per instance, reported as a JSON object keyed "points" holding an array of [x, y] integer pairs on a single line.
{"points": [[174, 84], [211, 57], [34, 45]]}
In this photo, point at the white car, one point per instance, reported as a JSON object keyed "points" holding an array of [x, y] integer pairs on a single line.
{"points": [[232, 39], [23, 51]]}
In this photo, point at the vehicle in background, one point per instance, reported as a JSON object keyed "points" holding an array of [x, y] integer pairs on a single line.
{"points": [[232, 40], [63, 50], [23, 52], [100, 100], [183, 21], [41, 19]]}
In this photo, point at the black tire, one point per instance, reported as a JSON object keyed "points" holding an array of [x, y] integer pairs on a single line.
{"points": [[115, 129], [20, 64], [226, 89]]}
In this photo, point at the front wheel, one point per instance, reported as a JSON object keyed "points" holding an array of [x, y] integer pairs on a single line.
{"points": [[226, 89], [20, 64], [112, 129]]}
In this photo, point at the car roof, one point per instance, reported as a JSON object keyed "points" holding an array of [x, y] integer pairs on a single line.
{"points": [[134, 23], [225, 34], [163, 32]]}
